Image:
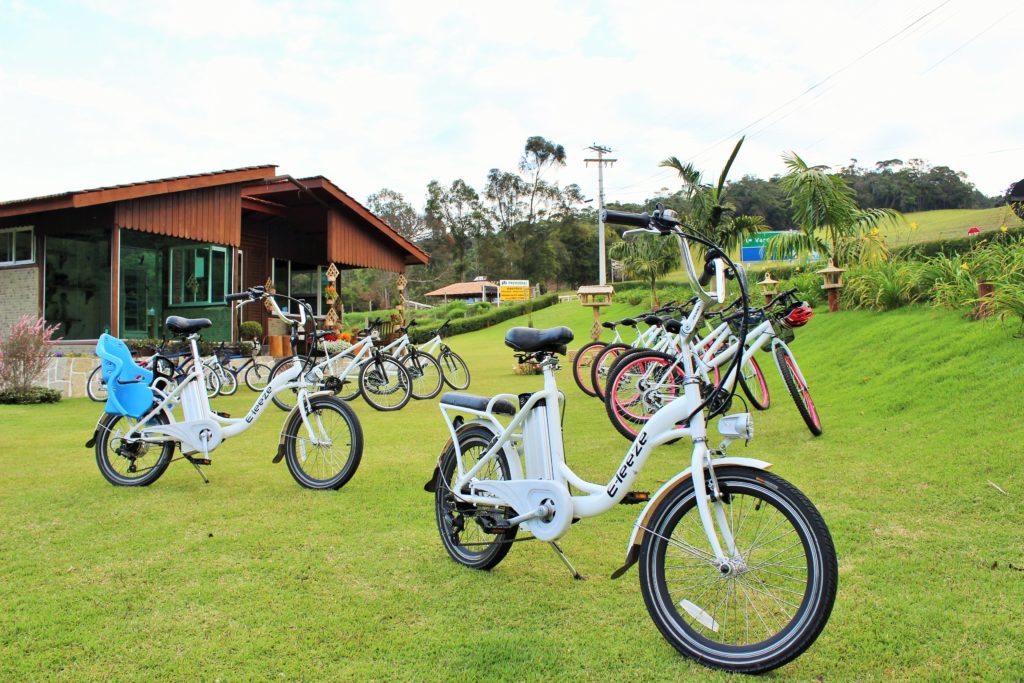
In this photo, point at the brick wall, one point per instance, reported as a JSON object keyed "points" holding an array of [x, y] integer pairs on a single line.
{"points": [[19, 294]]}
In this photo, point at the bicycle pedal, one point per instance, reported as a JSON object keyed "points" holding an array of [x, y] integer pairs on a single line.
{"points": [[493, 524], [221, 414], [198, 461], [635, 497]]}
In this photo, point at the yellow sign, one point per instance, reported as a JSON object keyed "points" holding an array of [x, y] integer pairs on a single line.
{"points": [[514, 290]]}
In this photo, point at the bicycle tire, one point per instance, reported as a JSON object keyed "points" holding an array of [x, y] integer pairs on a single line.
{"points": [[603, 364], [257, 376], [582, 364], [340, 423], [631, 399], [754, 386], [796, 385], [425, 374], [228, 380], [457, 523], [285, 400], [675, 546], [95, 387], [454, 369], [108, 457], [377, 387]]}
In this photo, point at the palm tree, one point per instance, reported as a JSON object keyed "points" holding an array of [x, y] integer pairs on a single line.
{"points": [[710, 215], [830, 221], [647, 256]]}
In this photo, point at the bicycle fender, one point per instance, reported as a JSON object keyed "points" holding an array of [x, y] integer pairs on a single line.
{"points": [[287, 418], [683, 478], [510, 453]]}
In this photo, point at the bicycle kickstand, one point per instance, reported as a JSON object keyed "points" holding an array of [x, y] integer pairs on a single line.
{"points": [[558, 551], [199, 469]]}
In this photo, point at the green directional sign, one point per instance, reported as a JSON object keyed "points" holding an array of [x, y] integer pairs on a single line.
{"points": [[754, 246]]}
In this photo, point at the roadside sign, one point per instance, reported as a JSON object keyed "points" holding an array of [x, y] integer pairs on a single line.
{"points": [[754, 246], [514, 290]]}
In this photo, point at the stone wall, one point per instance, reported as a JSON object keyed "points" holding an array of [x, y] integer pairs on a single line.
{"points": [[19, 295], [68, 375]]}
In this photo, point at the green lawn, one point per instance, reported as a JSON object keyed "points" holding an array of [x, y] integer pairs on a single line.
{"points": [[254, 578], [939, 225]]}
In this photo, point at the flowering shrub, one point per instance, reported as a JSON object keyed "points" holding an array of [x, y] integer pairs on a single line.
{"points": [[25, 352]]}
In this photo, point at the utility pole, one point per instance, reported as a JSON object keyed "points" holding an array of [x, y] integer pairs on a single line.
{"points": [[600, 161]]}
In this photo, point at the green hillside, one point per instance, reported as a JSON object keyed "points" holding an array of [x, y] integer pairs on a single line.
{"points": [[937, 225], [253, 578]]}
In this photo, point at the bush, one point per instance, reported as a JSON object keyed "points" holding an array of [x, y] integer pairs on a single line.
{"points": [[250, 329], [29, 396], [954, 246], [883, 286], [492, 317], [26, 352], [808, 286]]}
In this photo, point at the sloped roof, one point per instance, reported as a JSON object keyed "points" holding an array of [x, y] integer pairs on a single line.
{"points": [[114, 193], [463, 288]]}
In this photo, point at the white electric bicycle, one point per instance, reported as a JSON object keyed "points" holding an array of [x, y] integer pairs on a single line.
{"points": [[453, 368], [737, 567], [321, 439], [362, 368]]}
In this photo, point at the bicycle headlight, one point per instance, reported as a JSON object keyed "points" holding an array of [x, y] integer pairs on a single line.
{"points": [[738, 426]]}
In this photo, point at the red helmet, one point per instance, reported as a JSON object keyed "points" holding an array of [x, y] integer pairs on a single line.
{"points": [[798, 315]]}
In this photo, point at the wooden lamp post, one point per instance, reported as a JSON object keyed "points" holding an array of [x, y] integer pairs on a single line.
{"points": [[768, 287], [596, 296], [833, 278]]}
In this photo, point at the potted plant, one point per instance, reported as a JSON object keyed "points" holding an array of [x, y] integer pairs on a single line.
{"points": [[251, 330], [330, 294]]}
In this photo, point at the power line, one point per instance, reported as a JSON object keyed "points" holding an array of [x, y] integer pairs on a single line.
{"points": [[971, 39], [824, 80]]}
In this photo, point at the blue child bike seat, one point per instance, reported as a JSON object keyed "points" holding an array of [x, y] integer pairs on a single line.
{"points": [[128, 390]]}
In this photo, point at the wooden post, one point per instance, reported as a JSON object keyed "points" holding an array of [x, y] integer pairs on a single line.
{"points": [[402, 282]]}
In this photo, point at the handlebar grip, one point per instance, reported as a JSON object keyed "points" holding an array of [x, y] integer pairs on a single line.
{"points": [[639, 220], [239, 296]]}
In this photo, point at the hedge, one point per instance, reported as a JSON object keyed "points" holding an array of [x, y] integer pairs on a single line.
{"points": [[29, 396], [491, 317]]}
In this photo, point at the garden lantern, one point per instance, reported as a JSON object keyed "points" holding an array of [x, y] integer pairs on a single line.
{"points": [[768, 287], [596, 296], [833, 278]]}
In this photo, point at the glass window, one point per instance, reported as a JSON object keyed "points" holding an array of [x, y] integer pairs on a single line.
{"points": [[17, 246], [198, 275], [76, 284]]}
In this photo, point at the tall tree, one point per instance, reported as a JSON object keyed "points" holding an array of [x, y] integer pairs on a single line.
{"points": [[391, 207], [539, 155], [830, 221]]}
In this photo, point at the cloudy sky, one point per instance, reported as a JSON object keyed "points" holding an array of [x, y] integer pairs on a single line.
{"points": [[394, 94]]}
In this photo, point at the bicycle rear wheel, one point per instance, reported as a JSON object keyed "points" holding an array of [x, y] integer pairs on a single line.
{"points": [[463, 527], [797, 387], [133, 462], [769, 603], [285, 400], [752, 382], [582, 364], [602, 366], [640, 387], [228, 380], [95, 387], [331, 457], [384, 383]]}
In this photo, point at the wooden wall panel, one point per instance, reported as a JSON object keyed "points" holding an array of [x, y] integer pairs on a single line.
{"points": [[256, 268], [208, 215], [350, 245]]}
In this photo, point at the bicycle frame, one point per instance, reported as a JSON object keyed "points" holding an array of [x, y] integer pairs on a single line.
{"points": [[535, 434]]}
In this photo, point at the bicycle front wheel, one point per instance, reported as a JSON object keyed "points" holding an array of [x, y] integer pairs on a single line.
{"points": [[796, 385], [327, 458], [425, 375], [384, 383], [582, 364], [95, 387], [257, 376], [769, 603], [603, 363], [455, 370]]}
